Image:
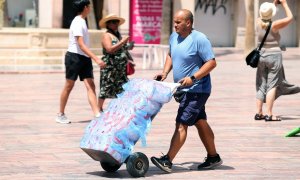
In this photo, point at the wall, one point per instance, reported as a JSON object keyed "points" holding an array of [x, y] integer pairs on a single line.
{"points": [[20, 38], [53, 17], [57, 13], [45, 19], [240, 25], [183, 4], [124, 12], [216, 19]]}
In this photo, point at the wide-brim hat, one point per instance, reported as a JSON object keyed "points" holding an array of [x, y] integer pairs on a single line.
{"points": [[110, 17], [267, 10]]}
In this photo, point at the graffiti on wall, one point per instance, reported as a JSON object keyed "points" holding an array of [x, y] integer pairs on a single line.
{"points": [[215, 5]]}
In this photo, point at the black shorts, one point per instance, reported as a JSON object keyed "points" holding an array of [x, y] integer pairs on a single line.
{"points": [[192, 108], [78, 65]]}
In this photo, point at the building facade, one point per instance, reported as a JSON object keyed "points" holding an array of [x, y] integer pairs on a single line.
{"points": [[223, 21]]}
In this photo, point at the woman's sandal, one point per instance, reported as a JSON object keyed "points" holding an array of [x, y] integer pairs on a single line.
{"points": [[270, 118], [259, 117]]}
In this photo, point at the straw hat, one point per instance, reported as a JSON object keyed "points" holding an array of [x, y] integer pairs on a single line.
{"points": [[267, 10], [109, 17]]}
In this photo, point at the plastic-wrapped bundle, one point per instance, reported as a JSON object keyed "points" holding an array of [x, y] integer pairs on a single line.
{"points": [[156, 91], [127, 118]]}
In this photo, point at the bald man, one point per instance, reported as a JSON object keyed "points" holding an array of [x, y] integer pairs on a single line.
{"points": [[192, 59]]}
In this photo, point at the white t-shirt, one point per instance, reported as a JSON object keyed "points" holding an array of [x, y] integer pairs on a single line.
{"points": [[78, 28]]}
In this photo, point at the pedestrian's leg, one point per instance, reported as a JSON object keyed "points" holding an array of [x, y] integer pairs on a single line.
{"points": [[100, 103], [270, 98], [90, 87], [261, 89], [207, 136], [178, 140], [65, 95], [259, 115], [259, 105]]}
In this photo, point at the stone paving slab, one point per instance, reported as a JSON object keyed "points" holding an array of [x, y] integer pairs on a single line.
{"points": [[33, 146]]}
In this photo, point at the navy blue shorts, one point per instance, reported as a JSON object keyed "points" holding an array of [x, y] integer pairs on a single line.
{"points": [[192, 108], [78, 65]]}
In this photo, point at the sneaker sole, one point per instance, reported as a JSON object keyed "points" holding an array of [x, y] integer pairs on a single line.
{"points": [[212, 166], [160, 166], [62, 122]]}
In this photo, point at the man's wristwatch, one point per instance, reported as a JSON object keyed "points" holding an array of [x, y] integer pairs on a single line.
{"points": [[193, 78]]}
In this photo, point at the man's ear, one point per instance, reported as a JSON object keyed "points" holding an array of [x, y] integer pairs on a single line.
{"points": [[189, 23]]}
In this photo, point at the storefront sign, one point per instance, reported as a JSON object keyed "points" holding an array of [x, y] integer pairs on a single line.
{"points": [[145, 21]]}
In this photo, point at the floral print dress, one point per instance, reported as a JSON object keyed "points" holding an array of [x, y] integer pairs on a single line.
{"points": [[113, 76]]}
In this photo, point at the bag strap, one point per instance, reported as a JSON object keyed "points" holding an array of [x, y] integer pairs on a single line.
{"points": [[265, 37], [113, 37]]}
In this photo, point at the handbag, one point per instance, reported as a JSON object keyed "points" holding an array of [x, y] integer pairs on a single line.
{"points": [[130, 68], [253, 57]]}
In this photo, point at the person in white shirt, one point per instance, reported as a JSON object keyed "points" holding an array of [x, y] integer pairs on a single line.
{"points": [[78, 61]]}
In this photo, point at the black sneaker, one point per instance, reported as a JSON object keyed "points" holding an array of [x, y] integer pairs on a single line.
{"points": [[163, 163], [210, 162]]}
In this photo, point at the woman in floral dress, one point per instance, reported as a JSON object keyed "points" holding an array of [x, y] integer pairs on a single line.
{"points": [[115, 55]]}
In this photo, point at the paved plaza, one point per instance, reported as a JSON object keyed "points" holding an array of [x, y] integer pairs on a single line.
{"points": [[33, 146]]}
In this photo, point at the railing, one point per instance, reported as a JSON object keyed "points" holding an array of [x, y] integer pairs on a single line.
{"points": [[153, 55]]}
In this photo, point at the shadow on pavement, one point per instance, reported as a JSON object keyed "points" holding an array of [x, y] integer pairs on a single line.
{"points": [[124, 174], [177, 168], [117, 174], [194, 166], [83, 121], [290, 117]]}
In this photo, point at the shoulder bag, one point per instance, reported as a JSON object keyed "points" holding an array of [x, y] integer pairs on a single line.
{"points": [[253, 57]]}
